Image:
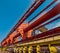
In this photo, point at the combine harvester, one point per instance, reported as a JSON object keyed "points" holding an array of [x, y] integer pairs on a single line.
{"points": [[35, 37]]}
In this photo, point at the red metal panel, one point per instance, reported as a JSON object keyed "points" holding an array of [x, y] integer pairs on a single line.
{"points": [[50, 33], [46, 23], [45, 17], [43, 10]]}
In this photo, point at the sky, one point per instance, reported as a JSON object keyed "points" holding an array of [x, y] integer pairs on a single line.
{"points": [[12, 10]]}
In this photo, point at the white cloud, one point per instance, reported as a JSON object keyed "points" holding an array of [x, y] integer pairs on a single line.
{"points": [[57, 25], [58, 1]]}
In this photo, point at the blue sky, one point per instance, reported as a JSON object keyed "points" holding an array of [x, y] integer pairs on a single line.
{"points": [[12, 10]]}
